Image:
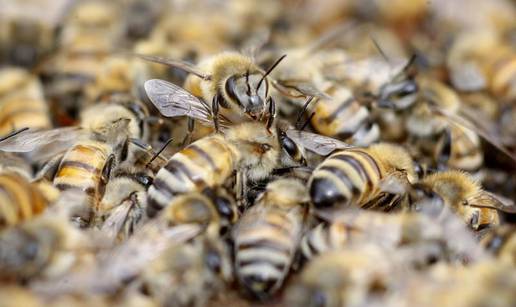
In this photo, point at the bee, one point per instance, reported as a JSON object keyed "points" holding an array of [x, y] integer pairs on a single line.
{"points": [[345, 118], [90, 34], [45, 247], [345, 277], [27, 35], [463, 195], [356, 176], [501, 242], [393, 231], [247, 148], [21, 199], [22, 102], [267, 236], [228, 83]]}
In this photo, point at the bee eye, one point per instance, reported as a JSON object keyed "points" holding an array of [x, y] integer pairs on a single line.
{"points": [[224, 208], [213, 261], [143, 179], [289, 146]]}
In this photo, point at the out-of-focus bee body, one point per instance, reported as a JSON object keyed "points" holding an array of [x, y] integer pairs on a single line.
{"points": [[501, 242], [462, 194], [22, 103], [210, 161], [343, 117], [52, 243], [352, 176], [19, 200], [267, 236]]}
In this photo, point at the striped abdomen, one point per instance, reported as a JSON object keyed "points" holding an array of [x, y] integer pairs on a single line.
{"points": [[208, 162], [265, 243], [345, 118], [81, 168], [19, 200], [466, 149], [346, 177], [325, 237], [21, 112]]}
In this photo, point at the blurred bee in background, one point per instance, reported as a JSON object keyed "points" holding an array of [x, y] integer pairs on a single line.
{"points": [[43, 247], [90, 34], [360, 176], [27, 35], [396, 232], [140, 18], [267, 236], [500, 241], [22, 101]]}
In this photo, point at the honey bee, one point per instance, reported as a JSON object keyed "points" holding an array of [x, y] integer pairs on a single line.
{"points": [[463, 195], [27, 35], [228, 83], [22, 102], [347, 277], [501, 242], [21, 200], [44, 247], [356, 176], [267, 236], [393, 231], [247, 148], [343, 117]]}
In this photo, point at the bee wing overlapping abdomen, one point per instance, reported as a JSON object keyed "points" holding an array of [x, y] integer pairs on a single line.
{"points": [[188, 67], [319, 144]]}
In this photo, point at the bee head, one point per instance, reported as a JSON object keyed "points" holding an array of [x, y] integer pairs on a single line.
{"points": [[247, 92]]}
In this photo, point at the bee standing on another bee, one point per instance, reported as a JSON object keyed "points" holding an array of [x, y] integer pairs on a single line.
{"points": [[267, 236]]}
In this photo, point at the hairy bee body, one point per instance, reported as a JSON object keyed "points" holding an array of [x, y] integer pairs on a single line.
{"points": [[22, 103], [267, 236], [352, 176], [19, 200], [211, 161], [345, 118]]}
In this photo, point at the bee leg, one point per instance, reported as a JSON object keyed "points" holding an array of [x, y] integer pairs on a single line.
{"points": [[188, 136], [49, 170], [106, 171], [272, 114], [240, 189], [215, 111], [443, 152]]}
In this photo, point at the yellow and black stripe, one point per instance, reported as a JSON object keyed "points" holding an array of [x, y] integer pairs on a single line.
{"points": [[19, 200], [208, 162], [21, 112], [346, 177]]}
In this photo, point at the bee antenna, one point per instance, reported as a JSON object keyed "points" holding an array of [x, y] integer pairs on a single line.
{"points": [[10, 135], [307, 121], [159, 152], [380, 50], [247, 83], [303, 110], [269, 71]]}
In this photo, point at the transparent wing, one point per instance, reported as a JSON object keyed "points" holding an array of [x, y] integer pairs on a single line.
{"points": [[489, 200], [487, 135], [319, 144], [172, 100], [188, 67], [297, 89], [54, 140]]}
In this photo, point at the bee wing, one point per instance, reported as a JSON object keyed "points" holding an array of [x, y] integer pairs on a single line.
{"points": [[489, 136], [44, 144], [298, 88], [172, 100], [116, 220], [319, 144], [188, 67], [396, 183], [490, 200]]}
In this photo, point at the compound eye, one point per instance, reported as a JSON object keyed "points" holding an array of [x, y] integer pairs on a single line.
{"points": [[144, 180], [289, 145], [213, 261], [224, 208]]}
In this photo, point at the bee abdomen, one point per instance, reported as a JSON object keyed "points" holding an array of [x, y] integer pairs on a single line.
{"points": [[20, 113], [19, 200], [323, 238], [345, 177], [264, 252]]}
